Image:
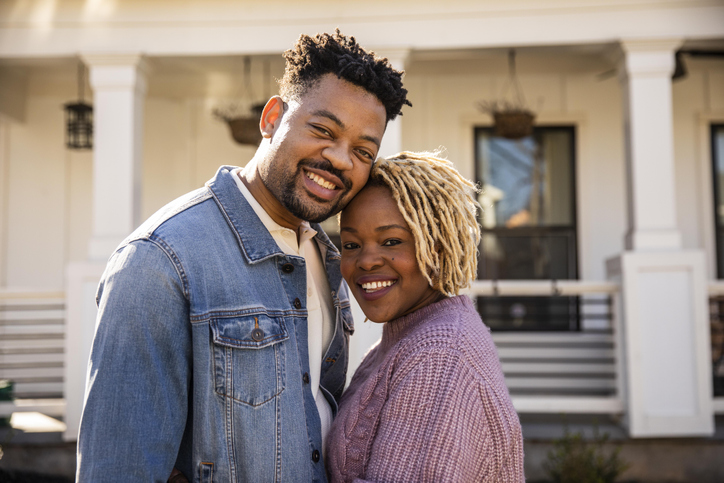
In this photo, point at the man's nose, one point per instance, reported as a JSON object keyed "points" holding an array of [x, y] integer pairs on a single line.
{"points": [[339, 155]]}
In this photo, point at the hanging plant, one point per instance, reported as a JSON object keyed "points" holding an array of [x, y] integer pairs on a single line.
{"points": [[243, 116], [243, 122], [511, 118]]}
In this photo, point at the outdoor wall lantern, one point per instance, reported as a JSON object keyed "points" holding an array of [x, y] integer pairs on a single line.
{"points": [[511, 118], [79, 118], [243, 116]]}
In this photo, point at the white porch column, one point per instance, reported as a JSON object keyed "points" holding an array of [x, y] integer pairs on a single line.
{"points": [[664, 320], [367, 333], [392, 142], [646, 80], [119, 87]]}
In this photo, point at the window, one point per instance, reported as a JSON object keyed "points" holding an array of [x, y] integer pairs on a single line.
{"points": [[529, 224], [717, 144], [716, 304]]}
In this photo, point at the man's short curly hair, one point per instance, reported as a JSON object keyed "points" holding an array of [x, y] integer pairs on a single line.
{"points": [[313, 57]]}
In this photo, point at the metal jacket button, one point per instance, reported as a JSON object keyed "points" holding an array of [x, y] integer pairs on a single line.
{"points": [[315, 456], [287, 268], [297, 304], [257, 334], [305, 378]]}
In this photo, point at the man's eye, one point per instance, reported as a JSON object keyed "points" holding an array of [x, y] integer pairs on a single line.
{"points": [[391, 243], [323, 130], [349, 246], [366, 154]]}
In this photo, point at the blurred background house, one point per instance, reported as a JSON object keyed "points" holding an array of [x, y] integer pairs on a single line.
{"points": [[602, 258]]}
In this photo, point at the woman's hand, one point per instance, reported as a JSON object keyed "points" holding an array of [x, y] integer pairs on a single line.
{"points": [[177, 477]]}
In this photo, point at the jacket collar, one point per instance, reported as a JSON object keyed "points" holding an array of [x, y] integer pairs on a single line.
{"points": [[255, 241]]}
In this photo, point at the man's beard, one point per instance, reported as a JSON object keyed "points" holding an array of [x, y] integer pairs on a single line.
{"points": [[311, 211]]}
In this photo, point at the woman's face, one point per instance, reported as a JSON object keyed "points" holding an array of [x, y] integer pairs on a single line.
{"points": [[378, 257]]}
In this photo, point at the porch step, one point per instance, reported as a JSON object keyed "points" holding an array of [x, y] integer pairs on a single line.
{"points": [[32, 346], [546, 364]]}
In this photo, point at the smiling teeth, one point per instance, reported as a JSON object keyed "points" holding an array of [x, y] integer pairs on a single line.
{"points": [[320, 181], [375, 286]]}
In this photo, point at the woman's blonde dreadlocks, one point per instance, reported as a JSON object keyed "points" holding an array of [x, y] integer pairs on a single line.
{"points": [[439, 206]]}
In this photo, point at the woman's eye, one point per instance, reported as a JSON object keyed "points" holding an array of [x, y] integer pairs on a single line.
{"points": [[349, 246], [391, 243]]}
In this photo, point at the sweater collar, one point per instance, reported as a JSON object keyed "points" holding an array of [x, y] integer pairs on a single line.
{"points": [[395, 330]]}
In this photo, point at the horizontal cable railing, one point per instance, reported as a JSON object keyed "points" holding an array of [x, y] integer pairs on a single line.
{"points": [[573, 370], [32, 351]]}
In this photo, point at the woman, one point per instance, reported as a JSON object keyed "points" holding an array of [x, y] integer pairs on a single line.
{"points": [[429, 402]]}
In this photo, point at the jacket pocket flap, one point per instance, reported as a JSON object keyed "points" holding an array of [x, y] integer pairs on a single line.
{"points": [[248, 331]]}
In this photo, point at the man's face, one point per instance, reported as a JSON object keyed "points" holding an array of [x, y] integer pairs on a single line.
{"points": [[321, 150]]}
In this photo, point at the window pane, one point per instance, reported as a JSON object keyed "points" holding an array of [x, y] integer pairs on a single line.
{"points": [[527, 182], [717, 133], [529, 229], [527, 255]]}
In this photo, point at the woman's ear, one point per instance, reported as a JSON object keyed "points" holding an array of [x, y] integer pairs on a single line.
{"points": [[271, 116]]}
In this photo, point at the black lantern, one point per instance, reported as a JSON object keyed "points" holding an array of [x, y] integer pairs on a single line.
{"points": [[79, 119]]}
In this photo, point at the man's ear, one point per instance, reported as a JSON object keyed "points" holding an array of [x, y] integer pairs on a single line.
{"points": [[271, 116]]}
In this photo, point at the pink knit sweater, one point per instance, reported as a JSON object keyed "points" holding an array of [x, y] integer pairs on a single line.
{"points": [[428, 404]]}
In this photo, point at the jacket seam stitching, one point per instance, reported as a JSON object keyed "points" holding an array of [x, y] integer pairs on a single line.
{"points": [[178, 266]]}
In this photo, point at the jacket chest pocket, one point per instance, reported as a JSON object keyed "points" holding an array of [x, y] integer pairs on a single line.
{"points": [[249, 357]]}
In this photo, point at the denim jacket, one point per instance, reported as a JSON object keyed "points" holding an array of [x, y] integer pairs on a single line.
{"points": [[200, 356]]}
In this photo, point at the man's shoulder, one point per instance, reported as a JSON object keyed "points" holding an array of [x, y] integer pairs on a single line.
{"points": [[182, 214], [190, 212]]}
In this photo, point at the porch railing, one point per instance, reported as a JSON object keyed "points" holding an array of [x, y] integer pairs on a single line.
{"points": [[32, 354], [562, 372], [547, 372]]}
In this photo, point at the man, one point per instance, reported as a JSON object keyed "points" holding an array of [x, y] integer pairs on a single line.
{"points": [[222, 334]]}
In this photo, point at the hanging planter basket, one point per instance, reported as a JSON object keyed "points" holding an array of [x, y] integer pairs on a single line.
{"points": [[242, 119], [511, 118], [513, 124], [245, 129]]}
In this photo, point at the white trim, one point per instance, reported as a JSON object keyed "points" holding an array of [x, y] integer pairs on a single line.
{"points": [[718, 404], [49, 407], [540, 287], [7, 295], [715, 288], [571, 405], [223, 28], [4, 196]]}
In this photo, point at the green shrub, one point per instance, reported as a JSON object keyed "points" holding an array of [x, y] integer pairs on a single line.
{"points": [[575, 460]]}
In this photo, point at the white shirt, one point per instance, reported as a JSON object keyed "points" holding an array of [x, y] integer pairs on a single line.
{"points": [[320, 312]]}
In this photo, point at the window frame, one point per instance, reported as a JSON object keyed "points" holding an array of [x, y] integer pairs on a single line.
{"points": [[549, 230]]}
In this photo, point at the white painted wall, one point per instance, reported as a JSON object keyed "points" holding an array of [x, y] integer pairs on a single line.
{"points": [[48, 188], [37, 217]]}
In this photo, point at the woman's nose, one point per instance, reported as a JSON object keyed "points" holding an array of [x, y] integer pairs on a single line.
{"points": [[369, 259]]}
